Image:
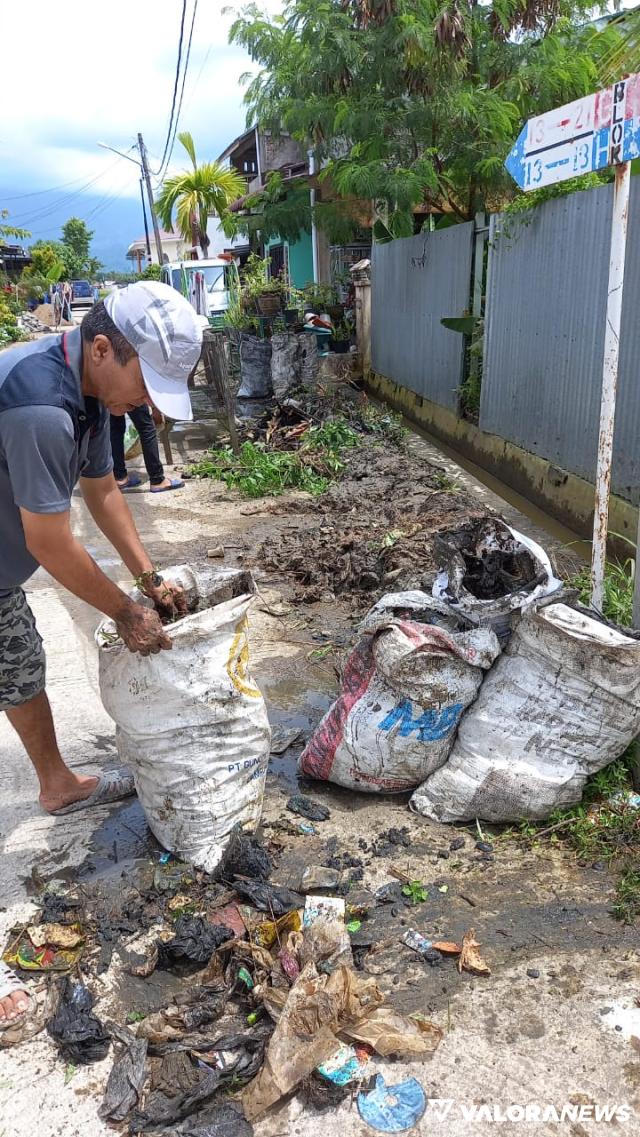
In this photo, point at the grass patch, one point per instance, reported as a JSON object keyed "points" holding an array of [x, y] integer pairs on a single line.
{"points": [[618, 590], [604, 827], [258, 471], [383, 423]]}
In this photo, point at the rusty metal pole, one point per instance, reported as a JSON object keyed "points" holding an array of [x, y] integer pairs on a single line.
{"points": [[609, 379], [635, 623]]}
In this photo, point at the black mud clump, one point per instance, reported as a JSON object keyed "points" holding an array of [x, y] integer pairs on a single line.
{"points": [[244, 856]]}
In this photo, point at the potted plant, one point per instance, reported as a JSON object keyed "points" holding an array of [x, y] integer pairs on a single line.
{"points": [[262, 293], [340, 339]]}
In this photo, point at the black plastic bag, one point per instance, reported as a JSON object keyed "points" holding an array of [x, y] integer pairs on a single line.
{"points": [[195, 940], [244, 856], [127, 1078], [270, 898], [80, 1036], [255, 368]]}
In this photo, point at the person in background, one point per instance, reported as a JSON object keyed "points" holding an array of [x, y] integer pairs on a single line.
{"points": [[143, 421]]}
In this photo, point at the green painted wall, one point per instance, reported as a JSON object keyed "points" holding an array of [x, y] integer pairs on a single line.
{"points": [[300, 259]]}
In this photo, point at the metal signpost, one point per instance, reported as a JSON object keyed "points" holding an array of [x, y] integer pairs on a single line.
{"points": [[589, 134]]}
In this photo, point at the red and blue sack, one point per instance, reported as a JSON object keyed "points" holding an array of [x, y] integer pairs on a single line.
{"points": [[404, 689]]}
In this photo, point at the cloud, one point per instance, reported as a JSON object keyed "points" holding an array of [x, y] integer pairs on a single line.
{"points": [[90, 74]]}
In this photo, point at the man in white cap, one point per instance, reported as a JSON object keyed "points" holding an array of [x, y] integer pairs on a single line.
{"points": [[138, 346]]}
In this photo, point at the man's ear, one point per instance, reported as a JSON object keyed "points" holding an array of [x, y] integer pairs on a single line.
{"points": [[100, 348]]}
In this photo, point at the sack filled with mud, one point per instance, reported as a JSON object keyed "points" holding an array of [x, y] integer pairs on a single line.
{"points": [[404, 688], [488, 571], [255, 368], [561, 702], [190, 722]]}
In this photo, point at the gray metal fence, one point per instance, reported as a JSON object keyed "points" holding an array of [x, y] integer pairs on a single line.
{"points": [[544, 334], [416, 281]]}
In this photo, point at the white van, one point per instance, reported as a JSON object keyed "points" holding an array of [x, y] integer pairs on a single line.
{"points": [[216, 274]]}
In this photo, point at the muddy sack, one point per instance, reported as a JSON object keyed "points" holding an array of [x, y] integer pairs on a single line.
{"points": [[404, 689], [191, 723], [489, 571], [561, 702], [255, 368]]}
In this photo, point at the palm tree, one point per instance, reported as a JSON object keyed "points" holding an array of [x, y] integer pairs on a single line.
{"points": [[195, 193]]}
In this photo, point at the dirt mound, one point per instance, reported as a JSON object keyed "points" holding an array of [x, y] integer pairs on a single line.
{"points": [[373, 530], [44, 313]]}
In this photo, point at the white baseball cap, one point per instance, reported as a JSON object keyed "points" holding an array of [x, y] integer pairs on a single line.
{"points": [[166, 333]]}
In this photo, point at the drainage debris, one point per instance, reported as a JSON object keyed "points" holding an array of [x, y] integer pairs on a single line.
{"points": [[127, 1078], [305, 807], [80, 1036], [392, 1109]]}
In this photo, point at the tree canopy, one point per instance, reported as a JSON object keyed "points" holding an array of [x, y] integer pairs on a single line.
{"points": [[417, 102]]}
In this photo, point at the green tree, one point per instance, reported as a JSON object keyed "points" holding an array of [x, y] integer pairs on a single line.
{"points": [[47, 257], [196, 193], [76, 245], [410, 102], [9, 231]]}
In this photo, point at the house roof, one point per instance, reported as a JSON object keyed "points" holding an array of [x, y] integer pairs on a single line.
{"points": [[141, 242], [237, 142]]}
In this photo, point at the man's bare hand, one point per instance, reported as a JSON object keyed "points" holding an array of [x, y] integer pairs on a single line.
{"points": [[141, 630], [169, 599]]}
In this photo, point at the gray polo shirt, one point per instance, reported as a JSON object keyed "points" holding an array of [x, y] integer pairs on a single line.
{"points": [[50, 436]]}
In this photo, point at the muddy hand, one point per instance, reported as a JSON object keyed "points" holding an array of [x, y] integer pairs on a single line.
{"points": [[142, 630], [169, 599]]}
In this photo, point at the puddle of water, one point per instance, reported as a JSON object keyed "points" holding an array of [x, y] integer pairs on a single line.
{"points": [[120, 840], [294, 706]]}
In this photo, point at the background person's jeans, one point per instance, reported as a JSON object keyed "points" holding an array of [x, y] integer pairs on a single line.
{"points": [[144, 424]]}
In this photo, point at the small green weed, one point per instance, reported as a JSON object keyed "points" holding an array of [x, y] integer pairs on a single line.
{"points": [[618, 590], [444, 482], [604, 827], [382, 422], [135, 1017], [627, 902], [415, 891]]}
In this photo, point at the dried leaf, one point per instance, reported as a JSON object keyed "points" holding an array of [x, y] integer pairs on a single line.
{"points": [[470, 958], [447, 947]]}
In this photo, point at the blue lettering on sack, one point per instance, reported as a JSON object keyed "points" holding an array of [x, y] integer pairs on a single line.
{"points": [[430, 725]]}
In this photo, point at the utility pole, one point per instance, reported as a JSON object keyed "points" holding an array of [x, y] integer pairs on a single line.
{"points": [[147, 178], [146, 226]]}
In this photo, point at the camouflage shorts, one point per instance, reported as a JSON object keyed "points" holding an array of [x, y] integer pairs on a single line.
{"points": [[22, 664]]}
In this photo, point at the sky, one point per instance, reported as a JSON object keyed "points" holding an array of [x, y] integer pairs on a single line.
{"points": [[111, 70]]}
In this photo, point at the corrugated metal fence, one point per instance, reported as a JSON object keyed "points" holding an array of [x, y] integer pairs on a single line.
{"points": [[544, 332], [544, 335], [417, 280]]}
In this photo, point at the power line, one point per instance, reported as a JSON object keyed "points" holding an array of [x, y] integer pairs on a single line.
{"points": [[184, 79], [175, 83], [198, 77], [39, 213]]}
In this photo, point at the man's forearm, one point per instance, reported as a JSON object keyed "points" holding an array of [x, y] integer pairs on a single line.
{"points": [[113, 517], [72, 566]]}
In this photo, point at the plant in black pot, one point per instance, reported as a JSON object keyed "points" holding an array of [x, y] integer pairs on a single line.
{"points": [[262, 293], [340, 338]]}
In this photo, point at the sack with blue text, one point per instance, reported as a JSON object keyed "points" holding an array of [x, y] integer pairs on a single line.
{"points": [[404, 689]]}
